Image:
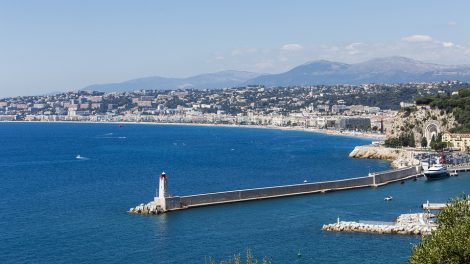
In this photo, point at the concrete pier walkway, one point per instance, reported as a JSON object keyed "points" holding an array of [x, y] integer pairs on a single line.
{"points": [[163, 203]]}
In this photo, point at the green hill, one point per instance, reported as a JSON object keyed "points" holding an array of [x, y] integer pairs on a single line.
{"points": [[457, 104]]}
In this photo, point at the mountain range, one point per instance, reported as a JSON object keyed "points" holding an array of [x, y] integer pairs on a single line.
{"points": [[379, 70]]}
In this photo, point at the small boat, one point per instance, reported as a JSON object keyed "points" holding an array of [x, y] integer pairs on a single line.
{"points": [[305, 181], [388, 198], [81, 157]]}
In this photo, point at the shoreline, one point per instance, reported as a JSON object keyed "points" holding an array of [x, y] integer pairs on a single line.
{"points": [[300, 129]]}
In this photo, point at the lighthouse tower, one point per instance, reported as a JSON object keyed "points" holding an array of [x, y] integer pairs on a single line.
{"points": [[160, 198]]}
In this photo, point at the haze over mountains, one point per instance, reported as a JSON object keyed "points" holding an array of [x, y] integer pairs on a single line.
{"points": [[379, 70]]}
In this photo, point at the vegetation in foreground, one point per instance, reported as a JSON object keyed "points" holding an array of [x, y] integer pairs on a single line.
{"points": [[450, 243], [237, 259]]}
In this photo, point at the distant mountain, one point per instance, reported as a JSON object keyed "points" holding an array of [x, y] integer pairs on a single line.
{"points": [[380, 70], [204, 81]]}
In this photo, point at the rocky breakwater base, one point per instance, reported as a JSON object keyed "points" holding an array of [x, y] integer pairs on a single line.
{"points": [[406, 224], [151, 208], [400, 157]]}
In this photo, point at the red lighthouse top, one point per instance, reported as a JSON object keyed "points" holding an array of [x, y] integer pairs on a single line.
{"points": [[163, 175]]}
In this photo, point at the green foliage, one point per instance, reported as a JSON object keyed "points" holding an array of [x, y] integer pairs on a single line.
{"points": [[237, 259], [450, 243], [404, 140], [458, 105], [424, 142], [424, 100], [436, 143]]}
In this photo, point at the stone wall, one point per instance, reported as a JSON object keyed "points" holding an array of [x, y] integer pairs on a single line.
{"points": [[395, 175], [182, 202]]}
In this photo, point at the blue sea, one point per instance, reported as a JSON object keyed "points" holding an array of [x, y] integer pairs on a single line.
{"points": [[55, 208]]}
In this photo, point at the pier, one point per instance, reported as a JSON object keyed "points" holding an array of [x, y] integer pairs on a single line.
{"points": [[433, 206], [164, 203], [405, 224]]}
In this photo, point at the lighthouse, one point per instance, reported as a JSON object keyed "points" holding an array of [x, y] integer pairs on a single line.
{"points": [[161, 195]]}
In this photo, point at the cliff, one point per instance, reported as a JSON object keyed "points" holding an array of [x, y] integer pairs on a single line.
{"points": [[400, 157], [414, 120]]}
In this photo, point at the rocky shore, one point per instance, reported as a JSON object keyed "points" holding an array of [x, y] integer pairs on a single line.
{"points": [[406, 224], [400, 157], [147, 209]]}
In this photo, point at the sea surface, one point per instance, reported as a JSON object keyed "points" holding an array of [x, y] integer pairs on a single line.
{"points": [[55, 208]]}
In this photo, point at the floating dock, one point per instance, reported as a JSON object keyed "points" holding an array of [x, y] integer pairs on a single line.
{"points": [[164, 203]]}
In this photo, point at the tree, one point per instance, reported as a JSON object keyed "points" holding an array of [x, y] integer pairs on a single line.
{"points": [[424, 142], [450, 243]]}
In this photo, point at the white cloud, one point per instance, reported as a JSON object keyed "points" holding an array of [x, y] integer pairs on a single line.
{"points": [[291, 47], [353, 48], [448, 45], [220, 57], [417, 38]]}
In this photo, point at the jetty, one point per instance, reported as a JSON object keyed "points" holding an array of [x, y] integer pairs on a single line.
{"points": [[405, 224], [433, 206], [163, 202]]}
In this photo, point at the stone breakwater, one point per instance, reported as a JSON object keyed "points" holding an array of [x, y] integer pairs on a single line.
{"points": [[400, 157], [406, 224], [147, 209]]}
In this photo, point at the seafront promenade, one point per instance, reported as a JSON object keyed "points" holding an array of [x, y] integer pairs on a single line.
{"points": [[333, 132], [164, 203]]}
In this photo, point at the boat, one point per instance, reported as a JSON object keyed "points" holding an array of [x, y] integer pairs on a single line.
{"points": [[436, 171], [78, 157], [388, 198]]}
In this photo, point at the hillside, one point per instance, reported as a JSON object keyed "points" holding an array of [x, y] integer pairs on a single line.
{"points": [[388, 70], [379, 70], [449, 112], [215, 80]]}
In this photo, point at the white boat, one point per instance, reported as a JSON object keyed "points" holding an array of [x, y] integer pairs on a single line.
{"points": [[80, 157], [436, 171], [388, 198]]}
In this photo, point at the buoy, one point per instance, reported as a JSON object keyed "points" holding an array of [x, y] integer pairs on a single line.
{"points": [[299, 254]]}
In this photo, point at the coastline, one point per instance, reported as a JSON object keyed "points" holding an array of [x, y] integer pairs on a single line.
{"points": [[352, 134]]}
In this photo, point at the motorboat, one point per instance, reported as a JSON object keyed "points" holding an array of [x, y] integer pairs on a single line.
{"points": [[436, 171]]}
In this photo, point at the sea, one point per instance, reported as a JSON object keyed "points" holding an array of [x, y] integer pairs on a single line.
{"points": [[57, 208]]}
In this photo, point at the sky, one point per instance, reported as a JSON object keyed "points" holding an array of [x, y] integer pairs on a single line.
{"points": [[52, 46]]}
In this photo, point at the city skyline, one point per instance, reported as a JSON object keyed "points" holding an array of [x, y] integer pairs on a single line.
{"points": [[53, 46]]}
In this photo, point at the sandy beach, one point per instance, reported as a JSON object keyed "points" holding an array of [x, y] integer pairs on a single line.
{"points": [[331, 132]]}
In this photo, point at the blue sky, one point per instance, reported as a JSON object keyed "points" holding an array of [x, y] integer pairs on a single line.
{"points": [[63, 45]]}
